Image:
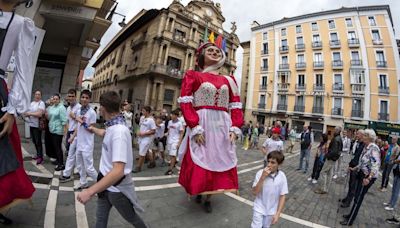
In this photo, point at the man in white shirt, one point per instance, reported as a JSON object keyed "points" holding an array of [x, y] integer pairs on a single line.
{"points": [[270, 188], [72, 114], [345, 157], [114, 187], [36, 111], [174, 139], [128, 115], [272, 144], [145, 137], [85, 141], [158, 147]]}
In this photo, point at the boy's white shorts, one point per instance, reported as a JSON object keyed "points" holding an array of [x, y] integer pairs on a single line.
{"points": [[172, 149], [260, 220]]}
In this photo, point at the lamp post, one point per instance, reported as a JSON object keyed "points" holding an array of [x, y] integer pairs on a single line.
{"points": [[113, 11]]}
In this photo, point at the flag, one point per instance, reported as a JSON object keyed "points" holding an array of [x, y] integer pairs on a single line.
{"points": [[224, 45], [205, 38], [211, 38], [218, 41]]}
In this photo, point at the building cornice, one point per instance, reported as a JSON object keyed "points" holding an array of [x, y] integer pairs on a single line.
{"points": [[323, 13]]}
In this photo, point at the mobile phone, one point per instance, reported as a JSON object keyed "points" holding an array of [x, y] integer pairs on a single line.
{"points": [[85, 125]]}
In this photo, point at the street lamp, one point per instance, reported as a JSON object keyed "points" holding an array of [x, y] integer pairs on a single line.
{"points": [[112, 12]]}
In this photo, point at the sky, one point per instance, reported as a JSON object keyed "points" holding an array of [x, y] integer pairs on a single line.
{"points": [[262, 11]]}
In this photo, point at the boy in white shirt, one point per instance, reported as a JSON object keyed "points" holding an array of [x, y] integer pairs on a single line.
{"points": [[86, 117], [114, 185], [270, 187], [174, 139], [272, 144], [158, 145], [145, 137]]}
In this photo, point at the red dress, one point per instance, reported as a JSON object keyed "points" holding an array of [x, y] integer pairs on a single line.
{"points": [[15, 185], [207, 100]]}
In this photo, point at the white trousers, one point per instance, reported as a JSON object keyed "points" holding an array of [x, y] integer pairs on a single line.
{"points": [[260, 220], [84, 159], [71, 161]]}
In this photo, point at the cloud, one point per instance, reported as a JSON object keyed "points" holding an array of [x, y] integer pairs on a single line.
{"points": [[244, 13]]}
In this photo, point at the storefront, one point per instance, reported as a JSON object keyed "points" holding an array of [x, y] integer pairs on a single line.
{"points": [[385, 130]]}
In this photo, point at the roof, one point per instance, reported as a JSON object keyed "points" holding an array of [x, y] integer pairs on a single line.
{"points": [[126, 33], [328, 12]]}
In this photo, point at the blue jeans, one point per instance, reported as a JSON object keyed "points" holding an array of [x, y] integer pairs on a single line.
{"points": [[395, 191], [304, 154]]}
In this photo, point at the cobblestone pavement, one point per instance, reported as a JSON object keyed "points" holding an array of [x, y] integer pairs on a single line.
{"points": [[167, 205]]}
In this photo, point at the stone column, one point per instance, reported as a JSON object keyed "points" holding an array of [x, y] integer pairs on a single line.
{"points": [[160, 96], [166, 55], [160, 52], [160, 26], [153, 95], [167, 23], [172, 25]]}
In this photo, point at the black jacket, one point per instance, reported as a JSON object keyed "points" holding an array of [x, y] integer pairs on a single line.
{"points": [[335, 148], [357, 153]]}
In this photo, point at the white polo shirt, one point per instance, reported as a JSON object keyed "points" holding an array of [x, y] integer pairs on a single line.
{"points": [[174, 131], [160, 130], [117, 147], [85, 139], [274, 186], [34, 107], [147, 124], [71, 122], [272, 145]]}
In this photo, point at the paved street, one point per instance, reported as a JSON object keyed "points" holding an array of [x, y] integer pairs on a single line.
{"points": [[167, 205]]}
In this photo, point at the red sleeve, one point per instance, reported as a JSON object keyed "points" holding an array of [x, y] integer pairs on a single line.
{"points": [[234, 101], [188, 88]]}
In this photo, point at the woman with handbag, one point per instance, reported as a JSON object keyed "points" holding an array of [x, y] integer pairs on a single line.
{"points": [[17, 35], [35, 112]]}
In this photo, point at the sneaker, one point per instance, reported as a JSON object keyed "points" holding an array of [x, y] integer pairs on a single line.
{"points": [[385, 204], [309, 179], [137, 170], [314, 181], [39, 160], [81, 187], [334, 177], [64, 179], [389, 208], [384, 190], [393, 221], [169, 172], [59, 168]]}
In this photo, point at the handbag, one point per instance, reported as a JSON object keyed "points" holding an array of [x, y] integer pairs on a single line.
{"points": [[42, 123]]}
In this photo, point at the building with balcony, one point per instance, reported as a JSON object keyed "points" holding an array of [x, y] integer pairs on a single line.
{"points": [[326, 69], [68, 33], [245, 72], [146, 61]]}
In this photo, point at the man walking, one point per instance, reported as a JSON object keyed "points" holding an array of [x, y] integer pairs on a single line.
{"points": [[335, 147]]}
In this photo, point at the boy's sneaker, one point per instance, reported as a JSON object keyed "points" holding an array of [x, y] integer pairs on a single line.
{"points": [[59, 168], [309, 179], [334, 177], [64, 179], [384, 190], [169, 172], [393, 221], [389, 208], [385, 204], [314, 181], [81, 187]]}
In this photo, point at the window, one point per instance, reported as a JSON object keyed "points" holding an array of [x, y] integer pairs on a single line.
{"points": [[300, 101], [331, 24], [383, 81], [371, 21], [319, 79], [336, 56], [375, 35], [314, 26], [316, 38], [351, 35], [169, 95], [357, 105], [264, 81], [349, 23], [265, 63], [262, 99], [298, 28], [384, 107], [380, 56], [284, 43], [355, 55], [337, 79], [299, 40], [300, 79], [121, 55], [130, 95], [319, 101], [174, 63], [179, 34], [284, 60], [318, 57], [300, 58], [337, 103], [283, 32], [282, 100], [334, 36], [265, 48], [265, 36]]}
